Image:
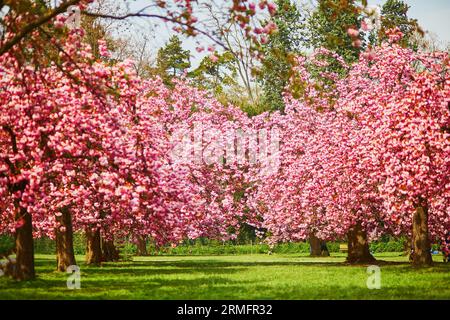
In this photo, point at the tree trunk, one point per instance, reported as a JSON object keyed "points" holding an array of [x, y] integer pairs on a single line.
{"points": [[24, 265], [65, 255], [407, 247], [93, 247], [421, 255], [358, 246], [141, 246], [318, 247], [110, 253]]}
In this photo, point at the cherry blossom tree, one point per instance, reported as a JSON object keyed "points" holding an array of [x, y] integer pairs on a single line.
{"points": [[80, 148], [207, 139], [400, 98], [368, 157], [54, 129]]}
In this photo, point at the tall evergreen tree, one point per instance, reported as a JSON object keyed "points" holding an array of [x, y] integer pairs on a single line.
{"points": [[172, 60]]}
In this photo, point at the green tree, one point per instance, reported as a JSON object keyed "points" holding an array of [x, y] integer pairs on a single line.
{"points": [[216, 76], [328, 25], [275, 71], [172, 60], [395, 14]]}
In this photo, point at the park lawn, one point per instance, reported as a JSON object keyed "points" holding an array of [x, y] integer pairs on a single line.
{"points": [[254, 276]]}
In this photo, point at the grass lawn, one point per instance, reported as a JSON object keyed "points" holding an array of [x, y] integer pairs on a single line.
{"points": [[235, 277]]}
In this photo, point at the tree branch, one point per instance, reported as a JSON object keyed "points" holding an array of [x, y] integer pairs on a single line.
{"points": [[12, 136], [32, 26], [161, 17]]}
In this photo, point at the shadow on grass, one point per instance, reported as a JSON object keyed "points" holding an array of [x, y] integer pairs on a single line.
{"points": [[215, 267], [210, 265], [216, 279]]}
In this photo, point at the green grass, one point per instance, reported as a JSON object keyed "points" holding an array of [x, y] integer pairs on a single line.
{"points": [[235, 277]]}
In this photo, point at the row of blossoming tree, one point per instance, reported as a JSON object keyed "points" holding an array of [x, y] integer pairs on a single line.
{"points": [[89, 148], [86, 145], [365, 155]]}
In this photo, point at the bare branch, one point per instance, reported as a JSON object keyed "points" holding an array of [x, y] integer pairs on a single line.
{"points": [[161, 17]]}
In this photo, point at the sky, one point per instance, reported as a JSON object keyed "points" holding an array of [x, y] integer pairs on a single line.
{"points": [[433, 16]]}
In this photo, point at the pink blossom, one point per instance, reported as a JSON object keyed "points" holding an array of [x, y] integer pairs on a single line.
{"points": [[352, 32], [214, 58], [272, 8]]}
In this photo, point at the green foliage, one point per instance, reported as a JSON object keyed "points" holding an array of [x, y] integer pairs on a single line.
{"points": [[247, 243], [127, 250], [244, 103], [391, 246], [45, 245], [252, 245], [395, 14], [276, 69], [6, 244], [172, 60], [215, 76], [79, 243], [328, 25], [247, 234]]}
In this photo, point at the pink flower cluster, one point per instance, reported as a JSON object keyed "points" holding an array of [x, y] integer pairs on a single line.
{"points": [[370, 149], [101, 148], [94, 138]]}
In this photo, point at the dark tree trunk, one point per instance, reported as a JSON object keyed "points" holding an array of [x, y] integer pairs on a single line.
{"points": [[358, 246], [93, 247], [421, 255], [110, 253], [24, 265], [141, 246], [318, 247], [65, 255]]}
